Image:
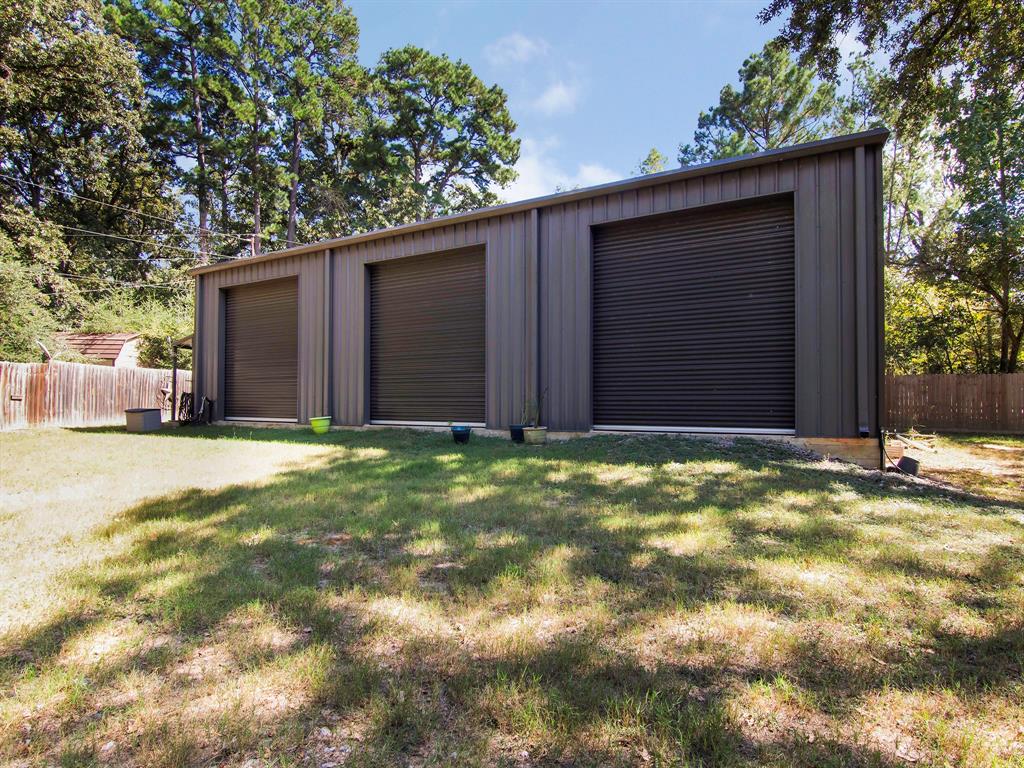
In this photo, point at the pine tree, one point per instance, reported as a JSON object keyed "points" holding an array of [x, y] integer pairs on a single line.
{"points": [[778, 103]]}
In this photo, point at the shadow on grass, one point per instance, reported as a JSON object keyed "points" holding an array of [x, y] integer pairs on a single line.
{"points": [[410, 523]]}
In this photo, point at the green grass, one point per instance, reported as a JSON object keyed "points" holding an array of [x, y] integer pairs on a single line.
{"points": [[390, 598]]}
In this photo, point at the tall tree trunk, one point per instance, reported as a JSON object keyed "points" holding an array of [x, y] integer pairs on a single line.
{"points": [[1005, 330], [225, 208], [1015, 349], [257, 197], [256, 213], [229, 247], [293, 189], [203, 192], [417, 177], [991, 366]]}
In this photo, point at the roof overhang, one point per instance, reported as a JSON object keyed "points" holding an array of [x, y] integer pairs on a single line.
{"points": [[863, 138]]}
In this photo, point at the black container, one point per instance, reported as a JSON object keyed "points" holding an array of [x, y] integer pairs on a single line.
{"points": [[515, 431], [461, 434], [909, 465]]}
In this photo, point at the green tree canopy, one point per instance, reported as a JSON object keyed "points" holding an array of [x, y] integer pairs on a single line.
{"points": [[77, 170], [778, 103], [440, 138], [315, 69], [181, 50], [981, 243], [921, 38]]}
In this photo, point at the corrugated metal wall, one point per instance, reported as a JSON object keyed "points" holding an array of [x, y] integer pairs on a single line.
{"points": [[507, 249], [836, 194], [824, 199], [311, 270]]}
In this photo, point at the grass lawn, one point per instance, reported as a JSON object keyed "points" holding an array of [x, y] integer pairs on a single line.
{"points": [[249, 598]]}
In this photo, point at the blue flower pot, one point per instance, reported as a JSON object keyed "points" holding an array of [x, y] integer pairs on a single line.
{"points": [[461, 434]]}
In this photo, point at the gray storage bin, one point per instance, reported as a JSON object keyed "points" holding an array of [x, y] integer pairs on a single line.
{"points": [[142, 419]]}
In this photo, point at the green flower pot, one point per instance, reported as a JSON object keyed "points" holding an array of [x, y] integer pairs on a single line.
{"points": [[320, 424]]}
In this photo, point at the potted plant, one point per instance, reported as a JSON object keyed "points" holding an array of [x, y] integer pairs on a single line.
{"points": [[460, 433], [532, 432]]}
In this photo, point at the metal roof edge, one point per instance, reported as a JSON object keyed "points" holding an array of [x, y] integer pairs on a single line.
{"points": [[872, 136]]}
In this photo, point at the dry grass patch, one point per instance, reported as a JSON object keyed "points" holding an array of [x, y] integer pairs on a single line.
{"points": [[988, 465], [271, 598]]}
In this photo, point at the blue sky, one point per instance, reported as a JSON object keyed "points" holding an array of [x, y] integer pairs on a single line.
{"points": [[593, 86]]}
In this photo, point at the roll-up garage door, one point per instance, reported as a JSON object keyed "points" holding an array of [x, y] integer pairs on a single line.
{"points": [[694, 317], [261, 357], [427, 339]]}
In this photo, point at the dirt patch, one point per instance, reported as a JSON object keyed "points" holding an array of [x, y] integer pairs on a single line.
{"points": [[989, 466]]}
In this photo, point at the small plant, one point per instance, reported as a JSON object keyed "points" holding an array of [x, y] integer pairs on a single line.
{"points": [[531, 429], [531, 413]]}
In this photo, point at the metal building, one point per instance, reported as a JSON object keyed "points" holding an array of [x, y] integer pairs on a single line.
{"points": [[738, 296]]}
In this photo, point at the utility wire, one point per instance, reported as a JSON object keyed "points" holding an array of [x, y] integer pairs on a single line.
{"points": [[137, 286], [113, 283], [94, 233], [244, 237], [196, 254], [84, 231]]}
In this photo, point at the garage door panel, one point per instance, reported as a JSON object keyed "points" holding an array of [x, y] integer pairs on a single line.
{"points": [[694, 320], [261, 350], [427, 338]]}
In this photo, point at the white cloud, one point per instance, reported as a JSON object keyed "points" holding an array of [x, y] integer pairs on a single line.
{"points": [[515, 49], [540, 175], [557, 98]]}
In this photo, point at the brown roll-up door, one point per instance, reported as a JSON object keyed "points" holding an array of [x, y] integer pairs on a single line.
{"points": [[694, 320], [427, 339], [261, 357]]}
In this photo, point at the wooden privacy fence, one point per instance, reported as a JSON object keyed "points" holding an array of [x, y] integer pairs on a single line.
{"points": [[79, 395], [992, 402]]}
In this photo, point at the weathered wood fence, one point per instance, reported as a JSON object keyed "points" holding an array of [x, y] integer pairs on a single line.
{"points": [[956, 403], [79, 395]]}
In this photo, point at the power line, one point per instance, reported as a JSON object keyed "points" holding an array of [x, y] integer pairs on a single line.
{"points": [[120, 237], [93, 233], [113, 283], [138, 286], [129, 239], [244, 238], [79, 232]]}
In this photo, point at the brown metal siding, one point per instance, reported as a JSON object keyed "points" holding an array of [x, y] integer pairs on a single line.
{"points": [[694, 319], [566, 263], [313, 344], [427, 338], [830, 305], [261, 356], [539, 276], [507, 242]]}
